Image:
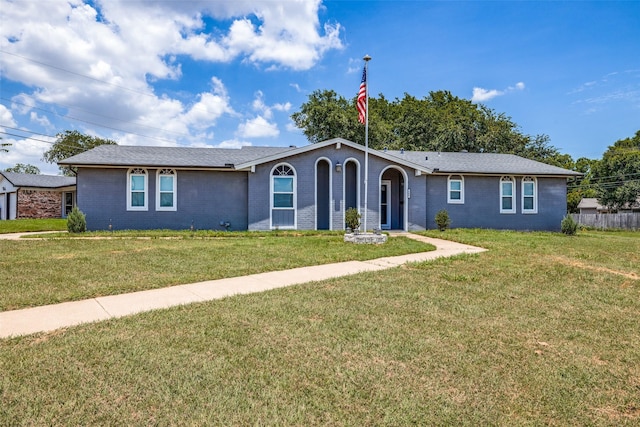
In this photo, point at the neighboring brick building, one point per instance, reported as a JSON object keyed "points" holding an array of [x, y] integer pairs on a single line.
{"points": [[36, 196]]}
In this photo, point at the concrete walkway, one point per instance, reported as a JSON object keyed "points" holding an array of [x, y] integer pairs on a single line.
{"points": [[55, 316]]}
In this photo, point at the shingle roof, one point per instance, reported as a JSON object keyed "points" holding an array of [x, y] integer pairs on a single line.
{"points": [[480, 163], [121, 155], [38, 181], [187, 157]]}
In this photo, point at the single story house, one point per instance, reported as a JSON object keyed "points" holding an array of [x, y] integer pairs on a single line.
{"points": [[590, 205], [311, 187], [24, 195]]}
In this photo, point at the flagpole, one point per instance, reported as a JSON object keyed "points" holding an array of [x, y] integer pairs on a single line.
{"points": [[366, 59]]}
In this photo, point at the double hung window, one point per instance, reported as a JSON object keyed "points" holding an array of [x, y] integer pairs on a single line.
{"points": [[166, 185], [137, 190], [455, 189], [529, 195]]}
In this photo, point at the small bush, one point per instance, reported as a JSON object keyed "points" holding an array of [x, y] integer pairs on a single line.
{"points": [[442, 220], [569, 226], [76, 221], [352, 218]]}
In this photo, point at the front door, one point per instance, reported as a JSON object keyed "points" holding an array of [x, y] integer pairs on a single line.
{"points": [[385, 204]]}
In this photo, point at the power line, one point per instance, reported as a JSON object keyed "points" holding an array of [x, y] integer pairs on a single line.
{"points": [[77, 74], [96, 124], [90, 112], [153, 96]]}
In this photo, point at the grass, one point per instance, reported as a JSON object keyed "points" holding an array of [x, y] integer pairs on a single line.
{"points": [[541, 330], [27, 225], [62, 269]]}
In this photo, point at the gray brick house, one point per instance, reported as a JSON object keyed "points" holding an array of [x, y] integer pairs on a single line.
{"points": [[311, 187]]}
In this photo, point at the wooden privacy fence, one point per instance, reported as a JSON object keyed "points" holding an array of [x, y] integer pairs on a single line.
{"points": [[626, 221]]}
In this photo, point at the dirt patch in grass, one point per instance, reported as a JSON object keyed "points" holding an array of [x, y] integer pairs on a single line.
{"points": [[580, 264]]}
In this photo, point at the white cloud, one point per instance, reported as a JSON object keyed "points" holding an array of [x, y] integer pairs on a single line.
{"points": [[41, 120], [98, 60], [233, 143], [6, 117], [265, 110], [282, 107], [28, 151], [482, 95], [258, 127]]}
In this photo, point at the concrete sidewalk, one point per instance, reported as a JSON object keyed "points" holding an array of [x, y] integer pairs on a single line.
{"points": [[52, 317]]}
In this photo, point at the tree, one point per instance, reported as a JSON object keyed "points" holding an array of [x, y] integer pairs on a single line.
{"points": [[618, 174], [69, 143], [438, 122], [578, 188], [24, 168]]}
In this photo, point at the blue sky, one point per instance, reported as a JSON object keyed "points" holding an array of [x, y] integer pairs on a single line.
{"points": [[231, 73]]}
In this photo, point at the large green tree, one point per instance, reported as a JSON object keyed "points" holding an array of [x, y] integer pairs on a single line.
{"points": [[69, 143], [438, 122], [580, 187], [618, 174], [24, 168]]}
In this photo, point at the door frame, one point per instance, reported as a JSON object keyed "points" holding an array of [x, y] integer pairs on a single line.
{"points": [[385, 223]]}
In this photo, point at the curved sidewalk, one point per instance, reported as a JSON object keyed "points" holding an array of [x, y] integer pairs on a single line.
{"points": [[56, 316]]}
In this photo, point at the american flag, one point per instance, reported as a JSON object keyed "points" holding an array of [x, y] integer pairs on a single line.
{"points": [[361, 103]]}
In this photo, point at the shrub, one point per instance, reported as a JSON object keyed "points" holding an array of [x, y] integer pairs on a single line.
{"points": [[352, 218], [442, 220], [76, 221], [569, 226]]}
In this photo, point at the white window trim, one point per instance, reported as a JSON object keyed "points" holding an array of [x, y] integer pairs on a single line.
{"points": [[174, 174], [513, 195], [533, 180], [145, 174], [455, 178], [295, 199]]}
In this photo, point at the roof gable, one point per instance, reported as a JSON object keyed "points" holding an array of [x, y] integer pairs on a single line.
{"points": [[339, 142]]}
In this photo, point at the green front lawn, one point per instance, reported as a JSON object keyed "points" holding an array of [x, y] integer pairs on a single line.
{"points": [[541, 330], [27, 225], [39, 272]]}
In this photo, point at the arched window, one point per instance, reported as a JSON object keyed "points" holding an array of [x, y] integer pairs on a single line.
{"points": [[507, 195], [455, 189], [137, 190], [166, 185], [283, 196], [529, 195]]}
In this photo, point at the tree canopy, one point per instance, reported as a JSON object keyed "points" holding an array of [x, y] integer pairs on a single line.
{"points": [[618, 174], [581, 187], [438, 122], [24, 168], [69, 143]]}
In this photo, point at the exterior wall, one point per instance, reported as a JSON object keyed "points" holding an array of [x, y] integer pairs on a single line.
{"points": [[7, 199], [39, 204], [304, 165], [204, 199], [481, 208], [207, 198]]}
